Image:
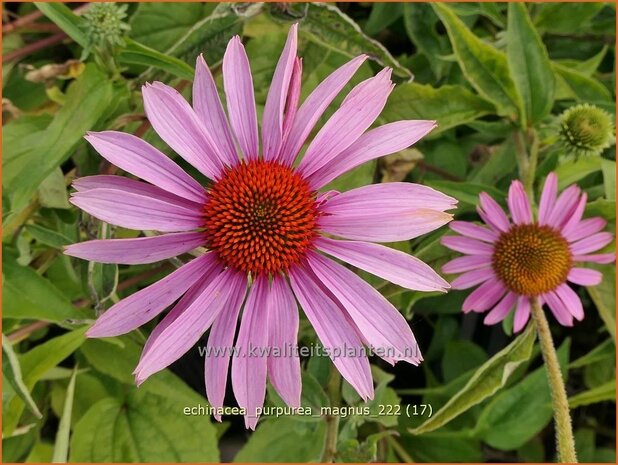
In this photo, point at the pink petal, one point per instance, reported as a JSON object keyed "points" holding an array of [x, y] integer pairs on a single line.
{"points": [[141, 159], [177, 124], [314, 106], [564, 207], [238, 85], [145, 304], [291, 104], [358, 111], [501, 310], [378, 142], [467, 263], [209, 110], [522, 313], [383, 327], [467, 245], [181, 334], [484, 297], [492, 213], [472, 278], [136, 251], [249, 365], [557, 307], [272, 120], [334, 330], [603, 258], [137, 211], [284, 370], [591, 243], [474, 231], [220, 347], [574, 220], [585, 276], [571, 301], [518, 203], [393, 265], [548, 197], [585, 228]]}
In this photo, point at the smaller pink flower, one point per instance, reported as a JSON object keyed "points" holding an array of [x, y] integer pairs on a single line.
{"points": [[514, 261]]}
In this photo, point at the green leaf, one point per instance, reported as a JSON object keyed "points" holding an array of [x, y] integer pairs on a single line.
{"points": [[449, 105], [467, 193], [601, 352], [48, 237], [576, 85], [484, 66], [566, 17], [600, 393], [53, 191], [284, 440], [143, 427], [569, 172], [485, 382], [61, 447], [137, 54], [30, 296], [11, 373], [530, 66], [66, 20], [459, 357], [382, 15], [523, 410], [604, 296], [609, 178]]}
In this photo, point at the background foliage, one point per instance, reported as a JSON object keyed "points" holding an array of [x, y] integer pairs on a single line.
{"points": [[493, 75]]}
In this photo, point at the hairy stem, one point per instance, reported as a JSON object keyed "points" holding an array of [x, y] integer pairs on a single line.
{"points": [[565, 443], [332, 421]]}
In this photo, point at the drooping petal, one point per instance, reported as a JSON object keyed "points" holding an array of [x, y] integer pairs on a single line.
{"points": [[141, 159], [557, 307], [383, 327], [249, 364], [181, 334], [484, 297], [522, 313], [474, 231], [571, 301], [137, 211], [492, 214], [272, 120], [472, 278], [518, 203], [136, 251], [591, 243], [393, 265], [335, 332], [142, 306], [209, 110], [501, 310], [564, 207], [314, 106], [585, 228], [467, 245], [585, 276], [358, 111], [284, 369], [467, 263], [219, 349], [238, 84], [177, 124], [548, 198], [603, 258]]}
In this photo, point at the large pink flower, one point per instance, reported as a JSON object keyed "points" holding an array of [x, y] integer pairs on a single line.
{"points": [[262, 217], [515, 262]]}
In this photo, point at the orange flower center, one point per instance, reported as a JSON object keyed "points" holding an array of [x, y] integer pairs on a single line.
{"points": [[531, 259], [260, 217]]}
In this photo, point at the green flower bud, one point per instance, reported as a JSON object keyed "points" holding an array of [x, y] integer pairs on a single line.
{"points": [[586, 130], [104, 23]]}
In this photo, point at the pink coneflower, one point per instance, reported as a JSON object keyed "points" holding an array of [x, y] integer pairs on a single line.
{"points": [[265, 227], [515, 262]]}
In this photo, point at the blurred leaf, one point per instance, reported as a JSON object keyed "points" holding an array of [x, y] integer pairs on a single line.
{"points": [[600, 393], [604, 296], [529, 64], [484, 66], [565, 17], [450, 106], [30, 296], [41, 452], [53, 192], [467, 193], [522, 410], [485, 382], [439, 448], [576, 85], [284, 440], [570, 172], [382, 15], [61, 447], [501, 162], [143, 427], [602, 351], [48, 237], [604, 208], [460, 357], [609, 178], [11, 373], [66, 20], [138, 54]]}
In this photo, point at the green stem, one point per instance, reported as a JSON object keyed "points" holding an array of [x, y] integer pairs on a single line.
{"points": [[332, 421], [565, 443]]}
